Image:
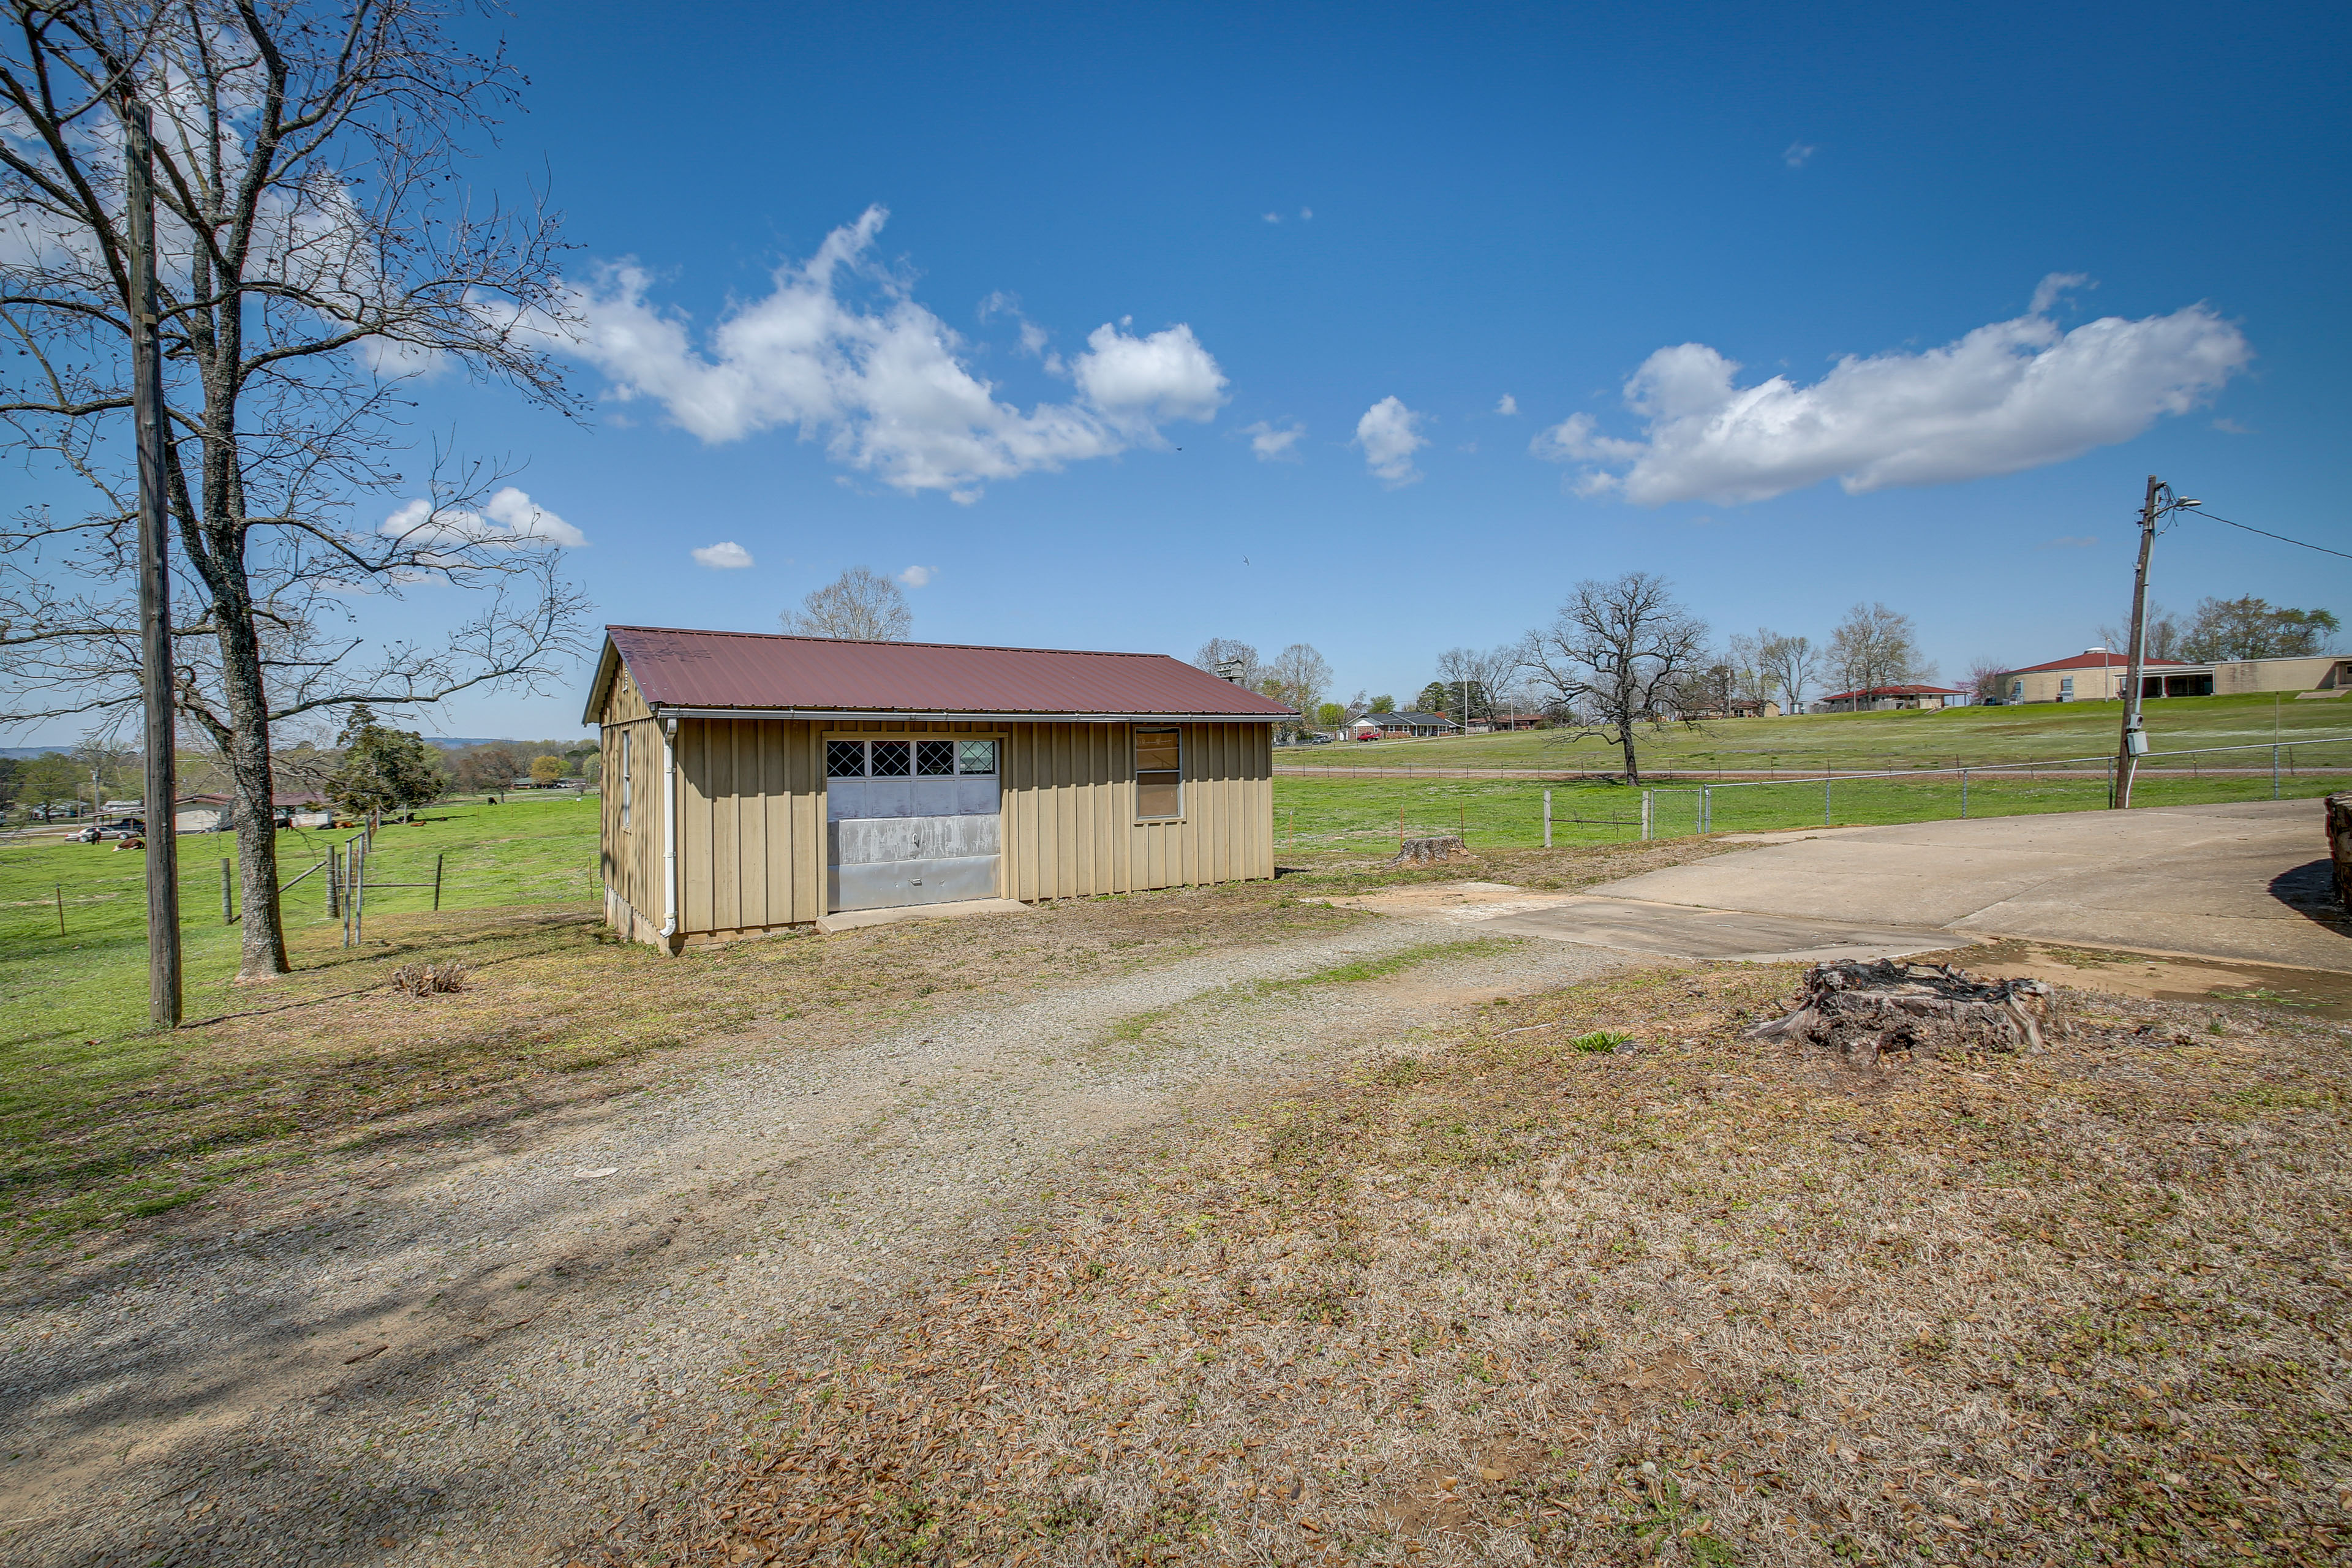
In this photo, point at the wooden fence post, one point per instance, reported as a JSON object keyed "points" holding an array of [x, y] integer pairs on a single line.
{"points": [[436, 881]]}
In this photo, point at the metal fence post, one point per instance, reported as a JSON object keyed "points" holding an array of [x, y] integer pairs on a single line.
{"points": [[437, 860], [1826, 781], [1964, 794], [2275, 778]]}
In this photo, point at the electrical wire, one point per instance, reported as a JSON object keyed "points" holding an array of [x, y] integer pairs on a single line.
{"points": [[2266, 533]]}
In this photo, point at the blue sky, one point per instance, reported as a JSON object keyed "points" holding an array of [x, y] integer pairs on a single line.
{"points": [[1165, 237]]}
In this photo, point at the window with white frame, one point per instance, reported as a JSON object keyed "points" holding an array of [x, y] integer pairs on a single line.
{"points": [[1159, 773]]}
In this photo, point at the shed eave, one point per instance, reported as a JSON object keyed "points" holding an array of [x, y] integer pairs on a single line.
{"points": [[669, 710]]}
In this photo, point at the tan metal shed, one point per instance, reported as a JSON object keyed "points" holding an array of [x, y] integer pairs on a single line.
{"points": [[754, 781]]}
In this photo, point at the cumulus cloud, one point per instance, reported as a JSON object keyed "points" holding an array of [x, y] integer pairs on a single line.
{"points": [[2012, 395], [1390, 434], [511, 518], [917, 576], [724, 556], [1797, 155], [840, 349], [1275, 443], [1506, 406]]}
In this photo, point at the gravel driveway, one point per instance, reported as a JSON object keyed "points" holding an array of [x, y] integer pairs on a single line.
{"points": [[483, 1355]]}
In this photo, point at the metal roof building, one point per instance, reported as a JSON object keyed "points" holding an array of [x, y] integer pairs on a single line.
{"points": [[755, 780]]}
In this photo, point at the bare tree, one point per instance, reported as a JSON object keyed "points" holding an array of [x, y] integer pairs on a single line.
{"points": [[1875, 646], [1614, 657], [1299, 678], [1475, 678], [859, 605], [1984, 679], [1229, 658], [317, 252], [1792, 663]]}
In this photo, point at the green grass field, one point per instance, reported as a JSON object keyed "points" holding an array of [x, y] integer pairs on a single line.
{"points": [[1864, 742], [1342, 813], [89, 980]]}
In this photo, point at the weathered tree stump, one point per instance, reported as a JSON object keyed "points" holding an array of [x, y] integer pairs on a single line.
{"points": [[1869, 1009], [1430, 851], [2339, 847]]}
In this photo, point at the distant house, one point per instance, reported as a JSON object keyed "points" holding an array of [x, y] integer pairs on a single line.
{"points": [[218, 812], [1514, 721], [1741, 708], [1410, 725], [1880, 699], [2098, 673]]}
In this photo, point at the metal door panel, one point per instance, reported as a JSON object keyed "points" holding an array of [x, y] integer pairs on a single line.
{"points": [[874, 840], [936, 797], [894, 884]]}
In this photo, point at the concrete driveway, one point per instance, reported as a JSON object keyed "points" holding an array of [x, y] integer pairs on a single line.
{"points": [[2246, 882]]}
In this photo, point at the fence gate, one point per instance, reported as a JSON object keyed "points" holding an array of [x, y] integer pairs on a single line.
{"points": [[912, 821]]}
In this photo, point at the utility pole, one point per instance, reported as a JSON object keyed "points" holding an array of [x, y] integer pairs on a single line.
{"points": [[155, 579], [2160, 501]]}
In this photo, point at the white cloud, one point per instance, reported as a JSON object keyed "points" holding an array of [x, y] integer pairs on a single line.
{"points": [[1798, 153], [724, 556], [2012, 395], [1390, 434], [2231, 427], [917, 576], [840, 349], [1272, 218], [1275, 443], [511, 518], [1507, 407], [1307, 215]]}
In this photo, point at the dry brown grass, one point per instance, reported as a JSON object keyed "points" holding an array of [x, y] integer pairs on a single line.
{"points": [[1708, 1302], [557, 1014]]}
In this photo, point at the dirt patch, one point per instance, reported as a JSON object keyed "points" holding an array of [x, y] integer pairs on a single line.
{"points": [[1695, 1299], [2313, 992]]}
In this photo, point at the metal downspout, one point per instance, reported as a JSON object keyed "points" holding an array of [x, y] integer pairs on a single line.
{"points": [[669, 828]]}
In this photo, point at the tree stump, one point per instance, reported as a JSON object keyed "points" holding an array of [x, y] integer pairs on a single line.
{"points": [[1869, 1009], [1430, 851], [2339, 847]]}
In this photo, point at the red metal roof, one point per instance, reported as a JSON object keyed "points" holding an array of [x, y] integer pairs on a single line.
{"points": [[2097, 658], [1897, 692], [677, 669]]}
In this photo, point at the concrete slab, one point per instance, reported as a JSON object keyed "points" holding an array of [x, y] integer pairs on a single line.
{"points": [[2242, 881], [1677, 931], [854, 919]]}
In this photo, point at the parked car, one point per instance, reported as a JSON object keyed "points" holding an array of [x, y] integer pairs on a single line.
{"points": [[1309, 738]]}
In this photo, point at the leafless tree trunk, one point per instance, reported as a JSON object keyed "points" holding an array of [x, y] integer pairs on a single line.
{"points": [[1218, 655], [1615, 654], [317, 252], [1875, 646], [1791, 664], [859, 605]]}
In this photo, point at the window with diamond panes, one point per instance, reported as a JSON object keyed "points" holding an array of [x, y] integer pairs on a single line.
{"points": [[976, 757], [844, 759], [934, 757], [890, 759]]}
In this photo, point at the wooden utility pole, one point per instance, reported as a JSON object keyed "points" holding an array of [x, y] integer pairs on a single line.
{"points": [[2133, 744], [155, 579]]}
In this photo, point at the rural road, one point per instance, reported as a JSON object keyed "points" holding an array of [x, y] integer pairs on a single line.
{"points": [[2246, 882], [481, 1355]]}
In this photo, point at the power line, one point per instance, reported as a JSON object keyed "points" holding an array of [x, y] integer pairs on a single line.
{"points": [[2266, 533]]}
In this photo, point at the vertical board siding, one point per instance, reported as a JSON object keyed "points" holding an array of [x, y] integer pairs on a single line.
{"points": [[751, 839]]}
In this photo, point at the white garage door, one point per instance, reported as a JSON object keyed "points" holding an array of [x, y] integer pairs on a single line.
{"points": [[910, 822]]}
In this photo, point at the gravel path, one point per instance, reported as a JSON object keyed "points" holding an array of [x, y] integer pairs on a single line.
{"points": [[484, 1353]]}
